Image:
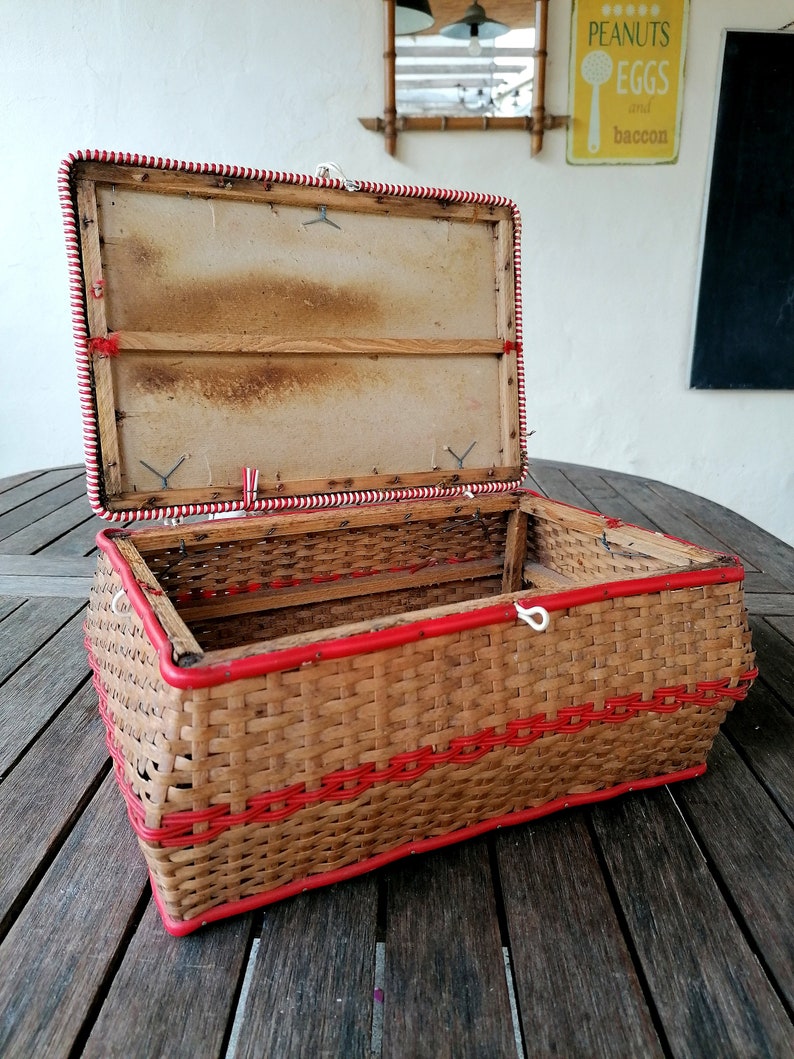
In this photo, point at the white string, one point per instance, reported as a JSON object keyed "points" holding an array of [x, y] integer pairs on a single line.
{"points": [[324, 170]]}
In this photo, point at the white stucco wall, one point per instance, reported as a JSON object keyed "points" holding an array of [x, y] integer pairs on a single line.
{"points": [[610, 258]]}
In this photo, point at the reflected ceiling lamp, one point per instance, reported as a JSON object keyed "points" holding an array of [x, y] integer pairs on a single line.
{"points": [[475, 26], [412, 16]]}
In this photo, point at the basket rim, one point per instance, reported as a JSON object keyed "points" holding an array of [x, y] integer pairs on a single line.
{"points": [[196, 676]]}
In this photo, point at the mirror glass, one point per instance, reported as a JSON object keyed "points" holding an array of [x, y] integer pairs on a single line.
{"points": [[471, 74]]}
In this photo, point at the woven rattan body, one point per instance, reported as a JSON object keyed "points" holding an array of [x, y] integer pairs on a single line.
{"points": [[334, 750]]}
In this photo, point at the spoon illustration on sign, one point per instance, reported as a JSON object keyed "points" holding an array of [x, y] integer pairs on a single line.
{"points": [[596, 71]]}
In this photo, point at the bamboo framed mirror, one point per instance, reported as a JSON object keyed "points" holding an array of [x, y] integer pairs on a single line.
{"points": [[452, 65]]}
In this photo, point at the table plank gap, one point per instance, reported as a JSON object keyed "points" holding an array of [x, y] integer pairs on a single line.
{"points": [[68, 937], [667, 515], [554, 484], [36, 486], [11, 481], [168, 989], [29, 513], [770, 604], [444, 972], [77, 542], [749, 845], [609, 496], [757, 547], [761, 729], [315, 967], [710, 991], [8, 606], [45, 795], [35, 623], [774, 657], [784, 624], [37, 691], [28, 540], [554, 895]]}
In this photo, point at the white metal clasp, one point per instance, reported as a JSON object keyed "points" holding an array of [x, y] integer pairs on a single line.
{"points": [[536, 617]]}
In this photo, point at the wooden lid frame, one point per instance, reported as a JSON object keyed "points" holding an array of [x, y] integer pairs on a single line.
{"points": [[254, 341]]}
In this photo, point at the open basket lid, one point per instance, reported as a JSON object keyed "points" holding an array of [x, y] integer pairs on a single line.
{"points": [[251, 340]]}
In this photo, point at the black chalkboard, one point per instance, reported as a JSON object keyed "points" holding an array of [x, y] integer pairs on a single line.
{"points": [[744, 329]]}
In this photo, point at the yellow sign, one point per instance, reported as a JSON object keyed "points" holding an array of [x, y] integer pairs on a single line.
{"points": [[626, 81]]}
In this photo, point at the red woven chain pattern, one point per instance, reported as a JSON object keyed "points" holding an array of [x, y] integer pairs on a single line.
{"points": [[82, 348], [177, 829]]}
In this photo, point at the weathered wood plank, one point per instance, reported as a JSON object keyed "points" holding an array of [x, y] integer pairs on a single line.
{"points": [[45, 575], [286, 486], [667, 515], [44, 531], [37, 485], [770, 604], [774, 657], [36, 691], [752, 845], [515, 551], [8, 604], [311, 987], [346, 588], [573, 1001], [45, 791], [247, 190], [58, 952], [763, 729], [25, 515], [531, 483], [608, 497], [756, 581], [249, 342], [34, 623], [445, 986], [556, 486], [711, 994], [77, 542], [784, 625], [208, 534], [45, 565], [758, 547], [182, 639], [13, 480], [65, 587], [172, 996]]}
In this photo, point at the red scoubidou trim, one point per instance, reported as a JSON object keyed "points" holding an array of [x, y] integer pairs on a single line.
{"points": [[363, 643], [179, 928]]}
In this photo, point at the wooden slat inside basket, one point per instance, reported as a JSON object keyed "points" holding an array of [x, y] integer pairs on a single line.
{"points": [[231, 584]]}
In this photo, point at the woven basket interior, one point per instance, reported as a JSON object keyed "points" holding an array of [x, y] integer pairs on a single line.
{"points": [[233, 592]]}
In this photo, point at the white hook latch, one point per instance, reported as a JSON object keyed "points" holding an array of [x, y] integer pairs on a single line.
{"points": [[536, 617], [114, 605]]}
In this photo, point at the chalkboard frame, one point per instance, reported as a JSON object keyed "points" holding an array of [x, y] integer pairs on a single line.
{"points": [[744, 319]]}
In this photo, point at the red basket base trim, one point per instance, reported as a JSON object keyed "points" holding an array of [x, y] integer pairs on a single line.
{"points": [[180, 928]]}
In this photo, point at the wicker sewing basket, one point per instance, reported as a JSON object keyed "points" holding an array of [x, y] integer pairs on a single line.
{"points": [[397, 646]]}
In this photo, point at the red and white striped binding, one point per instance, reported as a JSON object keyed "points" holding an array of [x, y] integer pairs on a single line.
{"points": [[249, 502]]}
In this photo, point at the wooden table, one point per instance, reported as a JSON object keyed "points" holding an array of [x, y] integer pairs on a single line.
{"points": [[656, 924]]}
